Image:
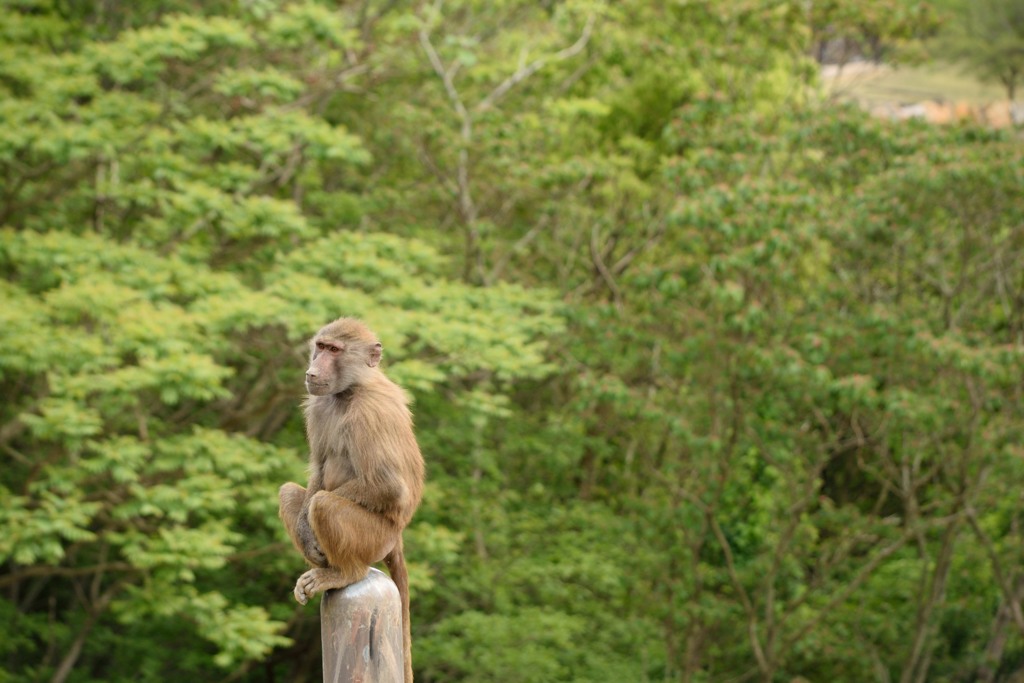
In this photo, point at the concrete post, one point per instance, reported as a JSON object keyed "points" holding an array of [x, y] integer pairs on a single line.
{"points": [[361, 631]]}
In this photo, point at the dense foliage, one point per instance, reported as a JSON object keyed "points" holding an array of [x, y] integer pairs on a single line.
{"points": [[714, 381]]}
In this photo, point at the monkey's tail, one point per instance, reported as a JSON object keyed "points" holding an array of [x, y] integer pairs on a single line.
{"points": [[395, 562]]}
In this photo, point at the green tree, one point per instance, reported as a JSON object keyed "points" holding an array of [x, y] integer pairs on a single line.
{"points": [[167, 247], [878, 30], [988, 37], [708, 409], [713, 381]]}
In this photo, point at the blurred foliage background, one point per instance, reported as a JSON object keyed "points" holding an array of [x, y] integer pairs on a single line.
{"points": [[717, 380]]}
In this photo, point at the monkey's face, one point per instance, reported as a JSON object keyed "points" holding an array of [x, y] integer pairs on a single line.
{"points": [[326, 368], [336, 365]]}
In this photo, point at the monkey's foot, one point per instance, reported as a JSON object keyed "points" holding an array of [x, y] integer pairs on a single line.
{"points": [[318, 580]]}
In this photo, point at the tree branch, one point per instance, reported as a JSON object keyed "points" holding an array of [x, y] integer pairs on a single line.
{"points": [[524, 72], [748, 607], [48, 571]]}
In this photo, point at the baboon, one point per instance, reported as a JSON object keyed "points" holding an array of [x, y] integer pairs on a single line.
{"points": [[365, 469]]}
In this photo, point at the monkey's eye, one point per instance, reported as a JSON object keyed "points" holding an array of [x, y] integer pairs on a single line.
{"points": [[333, 349]]}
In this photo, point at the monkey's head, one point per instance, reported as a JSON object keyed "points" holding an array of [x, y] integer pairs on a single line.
{"points": [[342, 355]]}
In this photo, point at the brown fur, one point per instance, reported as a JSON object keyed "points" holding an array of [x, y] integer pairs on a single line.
{"points": [[365, 469]]}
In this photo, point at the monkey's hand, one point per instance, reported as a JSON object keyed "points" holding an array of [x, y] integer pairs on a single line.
{"points": [[315, 555], [310, 547]]}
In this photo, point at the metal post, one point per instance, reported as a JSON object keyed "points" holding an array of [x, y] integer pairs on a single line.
{"points": [[361, 631]]}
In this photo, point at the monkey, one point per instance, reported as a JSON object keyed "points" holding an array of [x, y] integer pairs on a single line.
{"points": [[365, 469]]}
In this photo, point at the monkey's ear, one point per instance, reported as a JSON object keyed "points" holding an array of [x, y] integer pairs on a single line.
{"points": [[374, 358]]}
